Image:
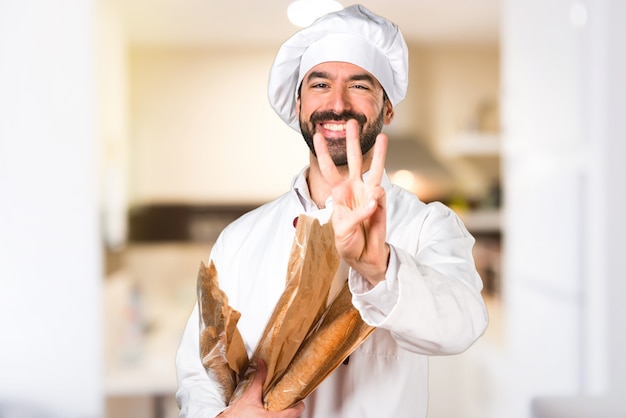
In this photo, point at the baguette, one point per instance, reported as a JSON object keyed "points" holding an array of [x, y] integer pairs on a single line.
{"points": [[311, 269], [339, 333]]}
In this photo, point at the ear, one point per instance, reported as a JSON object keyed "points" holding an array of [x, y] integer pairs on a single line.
{"points": [[388, 115], [298, 107]]}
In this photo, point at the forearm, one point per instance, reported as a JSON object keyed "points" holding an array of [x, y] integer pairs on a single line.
{"points": [[429, 311]]}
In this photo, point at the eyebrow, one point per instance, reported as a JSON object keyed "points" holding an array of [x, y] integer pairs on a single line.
{"points": [[363, 77], [355, 77], [317, 74]]}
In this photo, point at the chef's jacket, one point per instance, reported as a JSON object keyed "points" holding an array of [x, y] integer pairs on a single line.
{"points": [[429, 304]]}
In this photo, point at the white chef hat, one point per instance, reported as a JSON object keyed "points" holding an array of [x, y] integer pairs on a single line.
{"points": [[354, 35]]}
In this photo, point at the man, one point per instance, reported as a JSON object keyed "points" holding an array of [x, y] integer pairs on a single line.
{"points": [[411, 271]]}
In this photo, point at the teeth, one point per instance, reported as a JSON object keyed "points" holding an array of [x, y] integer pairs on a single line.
{"points": [[334, 126]]}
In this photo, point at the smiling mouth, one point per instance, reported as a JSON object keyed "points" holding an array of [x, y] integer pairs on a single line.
{"points": [[335, 127]]}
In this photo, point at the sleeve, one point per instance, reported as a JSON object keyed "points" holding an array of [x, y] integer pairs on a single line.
{"points": [[431, 299], [198, 396]]}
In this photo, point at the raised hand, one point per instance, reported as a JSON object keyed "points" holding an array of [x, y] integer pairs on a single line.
{"points": [[359, 213]]}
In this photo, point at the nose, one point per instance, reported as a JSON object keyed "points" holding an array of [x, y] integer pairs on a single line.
{"points": [[339, 100]]}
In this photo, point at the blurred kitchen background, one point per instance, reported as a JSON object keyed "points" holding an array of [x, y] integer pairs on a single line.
{"points": [[133, 131]]}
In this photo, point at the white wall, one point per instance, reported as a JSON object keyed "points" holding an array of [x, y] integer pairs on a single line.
{"points": [[462, 84], [563, 92], [203, 130], [50, 268], [113, 113], [613, 125]]}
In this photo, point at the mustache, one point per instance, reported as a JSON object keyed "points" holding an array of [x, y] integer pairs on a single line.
{"points": [[326, 115]]}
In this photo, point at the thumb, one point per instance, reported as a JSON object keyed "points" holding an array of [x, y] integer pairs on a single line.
{"points": [[256, 388]]}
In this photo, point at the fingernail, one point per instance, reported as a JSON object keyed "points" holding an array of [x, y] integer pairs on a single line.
{"points": [[371, 204]]}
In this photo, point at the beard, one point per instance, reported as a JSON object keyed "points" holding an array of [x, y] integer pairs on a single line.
{"points": [[337, 146]]}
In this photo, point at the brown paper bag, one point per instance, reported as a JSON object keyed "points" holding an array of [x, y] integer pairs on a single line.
{"points": [[222, 350], [311, 269], [338, 334], [305, 339]]}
